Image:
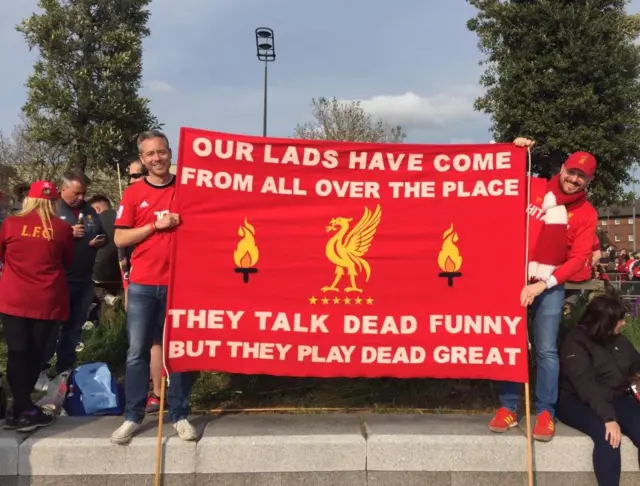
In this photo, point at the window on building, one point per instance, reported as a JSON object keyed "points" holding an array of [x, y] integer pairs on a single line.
{"points": [[616, 238], [630, 237], [630, 221], [616, 221], [603, 222]]}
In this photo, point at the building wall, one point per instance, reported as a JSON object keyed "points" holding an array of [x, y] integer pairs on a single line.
{"points": [[619, 229]]}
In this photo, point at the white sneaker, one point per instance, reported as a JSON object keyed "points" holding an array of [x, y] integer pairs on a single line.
{"points": [[125, 432], [186, 431]]}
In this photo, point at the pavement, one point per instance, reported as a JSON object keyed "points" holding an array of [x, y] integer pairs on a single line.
{"points": [[302, 450]]}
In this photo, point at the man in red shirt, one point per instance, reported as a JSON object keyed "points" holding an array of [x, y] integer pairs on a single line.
{"points": [[145, 221], [137, 172], [546, 297]]}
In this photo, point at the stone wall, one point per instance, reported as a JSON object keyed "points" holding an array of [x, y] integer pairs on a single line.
{"points": [[302, 450]]}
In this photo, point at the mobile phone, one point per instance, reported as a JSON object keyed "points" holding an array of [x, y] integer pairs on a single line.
{"points": [[100, 238]]}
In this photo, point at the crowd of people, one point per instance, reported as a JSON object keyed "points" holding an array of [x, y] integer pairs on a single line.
{"points": [[57, 248], [63, 255]]}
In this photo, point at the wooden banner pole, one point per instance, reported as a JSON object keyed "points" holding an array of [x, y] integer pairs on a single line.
{"points": [[160, 424], [527, 409]]}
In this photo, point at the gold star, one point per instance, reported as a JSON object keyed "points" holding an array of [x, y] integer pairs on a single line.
{"points": [[369, 301], [313, 300], [325, 300], [358, 300], [336, 300], [347, 300]]}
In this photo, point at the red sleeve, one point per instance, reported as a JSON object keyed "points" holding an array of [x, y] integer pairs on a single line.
{"points": [[126, 216], [580, 251], [596, 243], [68, 246]]}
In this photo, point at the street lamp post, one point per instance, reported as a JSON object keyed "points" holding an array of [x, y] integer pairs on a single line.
{"points": [[634, 209], [265, 43]]}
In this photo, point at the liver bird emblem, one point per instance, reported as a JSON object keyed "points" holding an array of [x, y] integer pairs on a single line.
{"points": [[347, 248]]}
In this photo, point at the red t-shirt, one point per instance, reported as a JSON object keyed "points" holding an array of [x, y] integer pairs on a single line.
{"points": [[34, 281], [142, 204]]}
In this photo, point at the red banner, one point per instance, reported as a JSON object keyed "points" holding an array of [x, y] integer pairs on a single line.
{"points": [[318, 258]]}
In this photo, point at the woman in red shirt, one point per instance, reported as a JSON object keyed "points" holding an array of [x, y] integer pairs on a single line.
{"points": [[35, 248]]}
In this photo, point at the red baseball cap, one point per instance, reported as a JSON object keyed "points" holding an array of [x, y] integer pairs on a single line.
{"points": [[43, 190], [582, 161]]}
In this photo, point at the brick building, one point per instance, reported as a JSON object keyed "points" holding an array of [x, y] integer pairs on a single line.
{"points": [[616, 226]]}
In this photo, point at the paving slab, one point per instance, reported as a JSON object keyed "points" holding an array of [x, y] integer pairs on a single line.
{"points": [[81, 446], [441, 443], [9, 446], [282, 443]]}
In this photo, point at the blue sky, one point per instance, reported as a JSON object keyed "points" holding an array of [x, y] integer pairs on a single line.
{"points": [[412, 62]]}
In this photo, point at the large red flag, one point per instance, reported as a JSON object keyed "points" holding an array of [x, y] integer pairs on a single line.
{"points": [[318, 258]]}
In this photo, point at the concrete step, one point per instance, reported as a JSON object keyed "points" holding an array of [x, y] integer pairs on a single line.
{"points": [[304, 449]]}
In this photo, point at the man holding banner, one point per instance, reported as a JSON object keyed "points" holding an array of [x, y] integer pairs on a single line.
{"points": [[145, 221], [562, 251]]}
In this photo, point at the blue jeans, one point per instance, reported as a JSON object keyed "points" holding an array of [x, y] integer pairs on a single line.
{"points": [[146, 308], [606, 460], [80, 298], [546, 311]]}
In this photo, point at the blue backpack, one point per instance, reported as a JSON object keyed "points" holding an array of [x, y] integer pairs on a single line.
{"points": [[93, 390]]}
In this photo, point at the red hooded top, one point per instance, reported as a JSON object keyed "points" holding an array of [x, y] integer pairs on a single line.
{"points": [[33, 282]]}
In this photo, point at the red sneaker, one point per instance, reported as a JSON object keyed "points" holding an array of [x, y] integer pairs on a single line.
{"points": [[503, 420], [153, 404], [545, 427]]}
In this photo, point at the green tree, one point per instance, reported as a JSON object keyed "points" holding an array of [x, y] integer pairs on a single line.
{"points": [[83, 94], [565, 73], [346, 121]]}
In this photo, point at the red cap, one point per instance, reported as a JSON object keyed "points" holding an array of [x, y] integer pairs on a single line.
{"points": [[43, 190], [582, 161]]}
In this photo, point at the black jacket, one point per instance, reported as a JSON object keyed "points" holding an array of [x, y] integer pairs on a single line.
{"points": [[106, 268], [595, 373], [84, 256]]}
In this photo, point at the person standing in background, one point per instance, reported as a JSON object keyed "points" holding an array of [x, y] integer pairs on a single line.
{"points": [[106, 271], [88, 237], [35, 248], [20, 191]]}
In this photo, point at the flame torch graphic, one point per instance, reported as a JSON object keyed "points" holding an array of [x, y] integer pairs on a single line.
{"points": [[449, 259], [246, 254]]}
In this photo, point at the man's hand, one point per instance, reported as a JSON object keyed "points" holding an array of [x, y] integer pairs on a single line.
{"points": [[530, 292], [595, 257], [168, 221], [78, 231], [523, 142], [98, 242]]}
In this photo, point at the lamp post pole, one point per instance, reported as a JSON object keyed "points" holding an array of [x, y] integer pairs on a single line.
{"points": [[634, 209], [265, 44]]}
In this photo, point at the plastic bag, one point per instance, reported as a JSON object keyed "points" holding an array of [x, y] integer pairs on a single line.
{"points": [[56, 393], [94, 381]]}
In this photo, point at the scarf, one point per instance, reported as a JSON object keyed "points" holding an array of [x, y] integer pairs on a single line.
{"points": [[551, 248]]}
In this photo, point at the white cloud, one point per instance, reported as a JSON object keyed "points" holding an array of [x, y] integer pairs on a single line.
{"points": [[159, 87], [416, 112]]}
